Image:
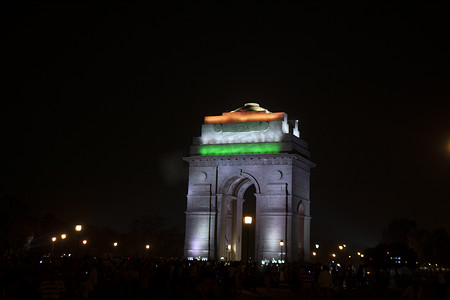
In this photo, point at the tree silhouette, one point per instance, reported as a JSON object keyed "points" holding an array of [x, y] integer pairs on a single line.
{"points": [[398, 230], [17, 225]]}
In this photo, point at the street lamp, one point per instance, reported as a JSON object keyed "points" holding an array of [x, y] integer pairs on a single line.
{"points": [[84, 242], [316, 255], [115, 244], [281, 249], [78, 228], [247, 221], [317, 252], [147, 250], [53, 244], [63, 237]]}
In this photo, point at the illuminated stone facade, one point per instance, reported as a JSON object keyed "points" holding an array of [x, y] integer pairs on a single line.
{"points": [[249, 146]]}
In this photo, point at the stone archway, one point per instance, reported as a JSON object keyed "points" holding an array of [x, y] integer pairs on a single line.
{"points": [[231, 216], [249, 146]]}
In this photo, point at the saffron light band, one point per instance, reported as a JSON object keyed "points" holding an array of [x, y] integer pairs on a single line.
{"points": [[247, 116]]}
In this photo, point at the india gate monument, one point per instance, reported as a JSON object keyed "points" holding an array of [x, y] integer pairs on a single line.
{"points": [[249, 189]]}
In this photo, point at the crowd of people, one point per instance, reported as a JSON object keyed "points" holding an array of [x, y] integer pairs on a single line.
{"points": [[151, 278]]}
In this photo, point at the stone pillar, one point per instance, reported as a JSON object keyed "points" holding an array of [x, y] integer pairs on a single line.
{"points": [[306, 239]]}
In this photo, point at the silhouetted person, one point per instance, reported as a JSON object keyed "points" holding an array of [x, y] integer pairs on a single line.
{"points": [[338, 290], [306, 283], [205, 286], [440, 285], [325, 282], [414, 291], [52, 287]]}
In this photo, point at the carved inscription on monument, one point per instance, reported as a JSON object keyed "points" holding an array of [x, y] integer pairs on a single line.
{"points": [[241, 127]]}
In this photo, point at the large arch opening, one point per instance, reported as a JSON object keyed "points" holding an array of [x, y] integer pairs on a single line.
{"points": [[248, 230], [238, 239]]}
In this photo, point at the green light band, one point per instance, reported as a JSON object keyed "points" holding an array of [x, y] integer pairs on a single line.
{"points": [[232, 149]]}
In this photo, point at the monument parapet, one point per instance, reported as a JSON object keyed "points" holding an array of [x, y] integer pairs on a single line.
{"points": [[250, 129]]}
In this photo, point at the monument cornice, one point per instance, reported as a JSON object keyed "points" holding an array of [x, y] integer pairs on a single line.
{"points": [[249, 160]]}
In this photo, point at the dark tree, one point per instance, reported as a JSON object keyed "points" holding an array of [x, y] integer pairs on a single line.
{"points": [[431, 246], [150, 229], [18, 225], [398, 230], [51, 225]]}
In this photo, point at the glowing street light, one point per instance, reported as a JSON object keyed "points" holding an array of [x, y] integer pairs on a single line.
{"points": [[78, 228], [247, 221], [147, 250], [63, 236], [53, 244], [333, 254], [316, 252], [115, 244], [229, 251], [341, 247], [281, 249], [85, 242]]}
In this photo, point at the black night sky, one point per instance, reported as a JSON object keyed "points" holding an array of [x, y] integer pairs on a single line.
{"points": [[101, 102]]}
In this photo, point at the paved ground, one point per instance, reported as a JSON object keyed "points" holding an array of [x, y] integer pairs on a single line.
{"points": [[287, 294]]}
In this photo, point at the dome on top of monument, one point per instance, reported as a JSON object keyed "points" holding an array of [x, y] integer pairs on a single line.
{"points": [[250, 107]]}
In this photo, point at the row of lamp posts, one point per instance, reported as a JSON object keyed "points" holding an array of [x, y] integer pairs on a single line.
{"points": [[248, 221], [78, 229], [334, 255]]}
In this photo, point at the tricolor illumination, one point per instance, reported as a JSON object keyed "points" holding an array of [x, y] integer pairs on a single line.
{"points": [[245, 116], [231, 149]]}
